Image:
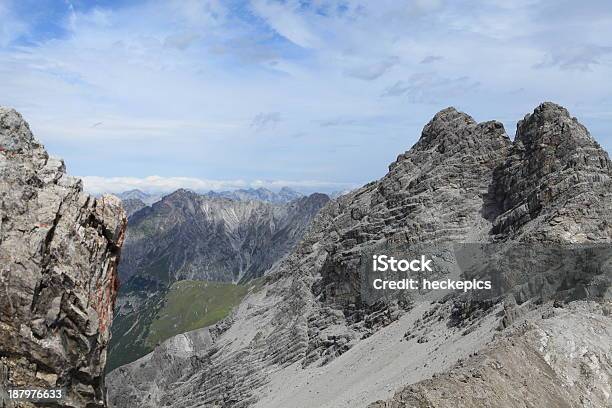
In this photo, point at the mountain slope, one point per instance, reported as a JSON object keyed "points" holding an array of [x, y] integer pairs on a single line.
{"points": [[314, 335], [190, 236], [142, 322], [187, 236], [552, 357]]}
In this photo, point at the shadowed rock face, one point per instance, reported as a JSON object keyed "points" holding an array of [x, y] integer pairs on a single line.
{"points": [[59, 250], [555, 172], [462, 182]]}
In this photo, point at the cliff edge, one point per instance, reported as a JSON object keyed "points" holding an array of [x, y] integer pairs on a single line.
{"points": [[59, 250]]}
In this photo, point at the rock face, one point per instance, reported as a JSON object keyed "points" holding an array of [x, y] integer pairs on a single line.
{"points": [[462, 182], [59, 250], [555, 173], [191, 236]]}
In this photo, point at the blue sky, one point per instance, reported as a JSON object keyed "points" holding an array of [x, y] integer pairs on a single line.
{"points": [[316, 95]]}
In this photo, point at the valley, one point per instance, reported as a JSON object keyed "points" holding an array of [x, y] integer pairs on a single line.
{"points": [[190, 258]]}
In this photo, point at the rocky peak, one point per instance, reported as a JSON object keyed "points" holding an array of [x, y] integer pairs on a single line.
{"points": [[134, 194], [551, 129], [179, 194], [553, 161], [59, 250], [445, 124], [311, 310], [448, 169], [16, 136], [451, 132]]}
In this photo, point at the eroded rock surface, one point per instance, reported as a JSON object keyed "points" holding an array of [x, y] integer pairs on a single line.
{"points": [[309, 335], [552, 357], [59, 250]]}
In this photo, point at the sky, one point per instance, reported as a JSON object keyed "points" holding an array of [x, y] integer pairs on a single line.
{"points": [[314, 95]]}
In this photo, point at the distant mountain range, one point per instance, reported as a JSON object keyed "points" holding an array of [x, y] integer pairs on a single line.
{"points": [[146, 198], [135, 200], [284, 195], [187, 235]]}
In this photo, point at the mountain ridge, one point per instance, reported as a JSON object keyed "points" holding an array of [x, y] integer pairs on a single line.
{"points": [[311, 315], [190, 221]]}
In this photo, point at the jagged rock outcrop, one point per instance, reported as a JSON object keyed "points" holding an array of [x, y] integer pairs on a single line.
{"points": [[462, 182], [556, 173], [432, 193], [59, 250]]}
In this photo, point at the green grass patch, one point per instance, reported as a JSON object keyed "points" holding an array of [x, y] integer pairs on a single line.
{"points": [[129, 334], [191, 305], [185, 306]]}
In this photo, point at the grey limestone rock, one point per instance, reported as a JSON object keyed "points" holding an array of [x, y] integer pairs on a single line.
{"points": [[59, 250], [462, 182]]}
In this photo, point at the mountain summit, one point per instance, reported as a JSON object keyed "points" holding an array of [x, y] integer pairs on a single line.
{"points": [[544, 195]]}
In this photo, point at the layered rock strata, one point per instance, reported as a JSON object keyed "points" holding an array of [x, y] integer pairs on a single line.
{"points": [[59, 250], [308, 337]]}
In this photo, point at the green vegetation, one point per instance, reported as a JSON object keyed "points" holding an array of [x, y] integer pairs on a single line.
{"points": [[191, 305], [185, 306], [130, 333]]}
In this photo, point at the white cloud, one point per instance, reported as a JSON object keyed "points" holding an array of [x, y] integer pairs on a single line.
{"points": [[431, 59], [427, 87], [286, 22], [11, 26], [174, 87], [582, 58], [180, 41], [263, 120], [370, 72]]}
